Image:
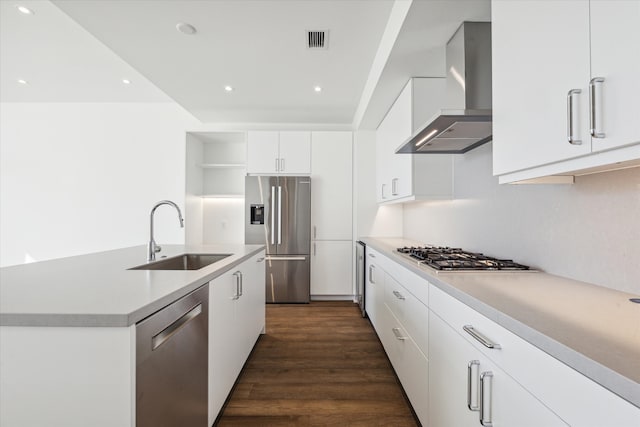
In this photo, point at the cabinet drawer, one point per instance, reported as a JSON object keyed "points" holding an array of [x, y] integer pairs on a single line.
{"points": [[411, 366], [561, 388], [411, 313]]}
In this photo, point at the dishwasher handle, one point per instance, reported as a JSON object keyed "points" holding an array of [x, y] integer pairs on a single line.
{"points": [[164, 335]]}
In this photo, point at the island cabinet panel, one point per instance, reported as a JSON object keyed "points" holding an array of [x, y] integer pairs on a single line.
{"points": [[236, 319], [67, 376]]}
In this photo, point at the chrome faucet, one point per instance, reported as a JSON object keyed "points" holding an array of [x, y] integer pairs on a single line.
{"points": [[152, 247]]}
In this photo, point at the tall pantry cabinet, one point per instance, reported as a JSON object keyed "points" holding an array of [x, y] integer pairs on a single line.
{"points": [[331, 214]]}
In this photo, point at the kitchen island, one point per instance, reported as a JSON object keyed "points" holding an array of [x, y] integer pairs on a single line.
{"points": [[68, 329], [591, 330]]}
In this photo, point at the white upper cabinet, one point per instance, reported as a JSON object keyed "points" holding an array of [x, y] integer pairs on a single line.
{"points": [[273, 152], [331, 177], [555, 87], [407, 177]]}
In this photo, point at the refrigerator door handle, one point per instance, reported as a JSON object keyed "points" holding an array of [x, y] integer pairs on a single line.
{"points": [[273, 214], [279, 215]]}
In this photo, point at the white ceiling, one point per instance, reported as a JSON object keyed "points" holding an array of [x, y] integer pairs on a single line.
{"points": [[79, 51]]}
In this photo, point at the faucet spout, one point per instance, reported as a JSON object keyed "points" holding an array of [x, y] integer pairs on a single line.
{"points": [[152, 247]]}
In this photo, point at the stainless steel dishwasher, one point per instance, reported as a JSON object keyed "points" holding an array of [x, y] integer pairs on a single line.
{"points": [[171, 364]]}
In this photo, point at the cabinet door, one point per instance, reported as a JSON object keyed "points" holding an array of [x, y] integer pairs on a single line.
{"points": [[262, 152], [533, 71], [615, 36], [331, 267], [374, 289], [295, 152], [223, 341], [332, 184], [395, 169], [250, 314], [454, 385]]}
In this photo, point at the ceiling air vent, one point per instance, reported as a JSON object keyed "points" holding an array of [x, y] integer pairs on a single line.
{"points": [[318, 39]]}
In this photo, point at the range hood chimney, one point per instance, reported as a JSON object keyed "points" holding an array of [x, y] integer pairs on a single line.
{"points": [[465, 122]]}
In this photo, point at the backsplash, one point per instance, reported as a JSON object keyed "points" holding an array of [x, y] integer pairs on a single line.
{"points": [[587, 231]]}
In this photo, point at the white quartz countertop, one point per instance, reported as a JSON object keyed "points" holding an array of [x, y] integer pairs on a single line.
{"points": [[98, 289], [593, 329]]}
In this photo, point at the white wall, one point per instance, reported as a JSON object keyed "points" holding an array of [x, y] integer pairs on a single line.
{"points": [[83, 177], [588, 231]]}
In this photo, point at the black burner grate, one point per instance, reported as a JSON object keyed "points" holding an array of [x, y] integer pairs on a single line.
{"points": [[454, 259]]}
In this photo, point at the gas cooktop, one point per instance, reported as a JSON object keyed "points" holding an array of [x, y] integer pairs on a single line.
{"points": [[455, 259]]}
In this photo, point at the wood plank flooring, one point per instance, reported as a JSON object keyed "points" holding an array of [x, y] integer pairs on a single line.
{"points": [[319, 364]]}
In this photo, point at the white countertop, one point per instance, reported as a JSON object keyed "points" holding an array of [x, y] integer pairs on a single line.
{"points": [[99, 290], [593, 329]]}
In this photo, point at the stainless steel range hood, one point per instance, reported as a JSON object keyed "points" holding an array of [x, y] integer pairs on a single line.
{"points": [[465, 122]]}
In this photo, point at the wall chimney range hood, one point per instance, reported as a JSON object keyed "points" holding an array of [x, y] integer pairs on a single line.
{"points": [[465, 122]]}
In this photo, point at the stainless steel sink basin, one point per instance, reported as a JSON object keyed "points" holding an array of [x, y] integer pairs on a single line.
{"points": [[183, 262]]}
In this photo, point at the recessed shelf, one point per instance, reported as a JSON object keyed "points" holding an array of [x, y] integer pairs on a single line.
{"points": [[223, 166], [223, 196]]}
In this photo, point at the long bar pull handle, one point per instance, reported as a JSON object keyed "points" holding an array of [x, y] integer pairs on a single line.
{"points": [[273, 215], [277, 164], [164, 335], [279, 214], [371, 279], [570, 136], [399, 336], [237, 275], [382, 191], [398, 295], [315, 232], [281, 164], [473, 365], [486, 415], [481, 338], [314, 249], [595, 101], [394, 187], [241, 284]]}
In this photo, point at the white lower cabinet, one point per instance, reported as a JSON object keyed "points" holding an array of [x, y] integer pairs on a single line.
{"points": [[468, 389], [331, 268], [374, 289], [236, 319]]}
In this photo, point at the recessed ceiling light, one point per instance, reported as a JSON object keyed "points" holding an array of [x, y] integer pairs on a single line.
{"points": [[185, 28], [228, 88], [25, 10], [23, 82], [317, 89], [126, 81]]}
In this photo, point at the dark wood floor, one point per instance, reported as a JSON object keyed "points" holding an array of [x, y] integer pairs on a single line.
{"points": [[319, 364]]}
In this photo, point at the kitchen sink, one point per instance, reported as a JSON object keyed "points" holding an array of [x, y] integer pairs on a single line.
{"points": [[183, 262]]}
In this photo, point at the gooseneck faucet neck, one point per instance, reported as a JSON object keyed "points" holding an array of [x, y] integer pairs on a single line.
{"points": [[152, 246]]}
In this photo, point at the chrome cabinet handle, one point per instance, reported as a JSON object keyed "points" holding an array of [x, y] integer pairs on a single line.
{"points": [[241, 284], [481, 338], [470, 387], [260, 259], [277, 165], [372, 255], [237, 275], [570, 137], [383, 185], [399, 336], [315, 232], [164, 335], [394, 187], [371, 279], [314, 249], [486, 416], [595, 100], [273, 215], [398, 295], [279, 215]]}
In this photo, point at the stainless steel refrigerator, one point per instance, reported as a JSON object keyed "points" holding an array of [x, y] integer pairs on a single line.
{"points": [[278, 215]]}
